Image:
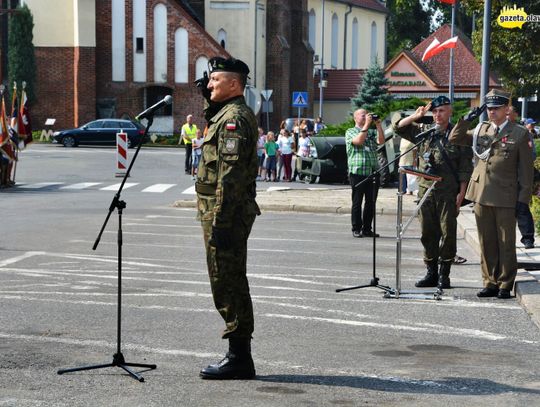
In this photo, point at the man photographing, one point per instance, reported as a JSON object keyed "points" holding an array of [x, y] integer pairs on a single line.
{"points": [[439, 212], [225, 189]]}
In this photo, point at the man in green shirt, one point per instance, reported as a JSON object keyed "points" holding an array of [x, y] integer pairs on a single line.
{"points": [[361, 143]]}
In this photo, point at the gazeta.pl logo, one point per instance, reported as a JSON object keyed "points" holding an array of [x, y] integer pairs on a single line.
{"points": [[515, 17]]}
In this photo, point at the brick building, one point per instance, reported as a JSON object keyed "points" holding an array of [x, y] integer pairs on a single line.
{"points": [[114, 58]]}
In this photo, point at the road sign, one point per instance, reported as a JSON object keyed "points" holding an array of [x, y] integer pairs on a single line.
{"points": [[266, 93], [300, 99]]}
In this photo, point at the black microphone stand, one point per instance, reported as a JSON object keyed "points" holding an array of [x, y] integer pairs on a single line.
{"points": [[374, 177], [119, 205]]}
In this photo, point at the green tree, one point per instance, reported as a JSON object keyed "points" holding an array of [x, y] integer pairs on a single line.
{"points": [[408, 24], [373, 92], [21, 59], [515, 53]]}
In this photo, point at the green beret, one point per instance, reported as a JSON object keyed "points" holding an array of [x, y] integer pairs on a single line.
{"points": [[439, 101]]}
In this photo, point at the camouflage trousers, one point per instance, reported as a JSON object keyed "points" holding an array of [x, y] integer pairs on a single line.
{"points": [[438, 221], [228, 281]]}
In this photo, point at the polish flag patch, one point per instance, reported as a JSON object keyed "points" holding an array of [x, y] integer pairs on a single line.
{"points": [[231, 126]]}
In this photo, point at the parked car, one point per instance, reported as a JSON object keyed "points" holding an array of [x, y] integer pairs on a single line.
{"points": [[100, 132]]}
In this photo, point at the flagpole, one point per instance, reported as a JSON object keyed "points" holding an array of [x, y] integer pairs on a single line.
{"points": [[486, 43], [451, 78]]}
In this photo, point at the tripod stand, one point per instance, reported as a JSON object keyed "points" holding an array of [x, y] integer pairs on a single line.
{"points": [[119, 205], [389, 292]]}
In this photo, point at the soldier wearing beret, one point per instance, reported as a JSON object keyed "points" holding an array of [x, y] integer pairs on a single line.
{"points": [[502, 176], [225, 189], [438, 214]]}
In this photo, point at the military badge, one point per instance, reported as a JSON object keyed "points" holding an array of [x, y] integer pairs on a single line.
{"points": [[230, 145], [231, 126]]}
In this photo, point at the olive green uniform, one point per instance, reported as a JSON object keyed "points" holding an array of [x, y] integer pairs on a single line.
{"points": [[438, 214], [226, 200], [501, 178]]}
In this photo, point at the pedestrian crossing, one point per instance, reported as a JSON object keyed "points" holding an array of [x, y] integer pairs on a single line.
{"points": [[157, 188]]}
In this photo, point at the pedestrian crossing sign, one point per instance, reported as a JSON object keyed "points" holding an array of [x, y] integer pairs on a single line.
{"points": [[300, 99]]}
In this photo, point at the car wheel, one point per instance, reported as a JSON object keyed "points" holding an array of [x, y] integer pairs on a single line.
{"points": [[310, 179], [69, 141]]}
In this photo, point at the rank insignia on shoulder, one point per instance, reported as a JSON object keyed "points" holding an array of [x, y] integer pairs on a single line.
{"points": [[231, 126]]}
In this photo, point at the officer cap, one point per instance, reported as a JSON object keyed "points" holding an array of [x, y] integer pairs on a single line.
{"points": [[496, 98], [219, 64], [439, 101]]}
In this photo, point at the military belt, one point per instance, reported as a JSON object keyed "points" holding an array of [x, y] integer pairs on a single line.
{"points": [[205, 189]]}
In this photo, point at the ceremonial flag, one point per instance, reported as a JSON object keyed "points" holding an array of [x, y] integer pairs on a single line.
{"points": [[428, 53], [448, 1], [435, 47], [15, 111], [6, 144], [25, 126]]}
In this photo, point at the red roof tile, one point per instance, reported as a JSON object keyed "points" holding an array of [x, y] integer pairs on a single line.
{"points": [[342, 84]]}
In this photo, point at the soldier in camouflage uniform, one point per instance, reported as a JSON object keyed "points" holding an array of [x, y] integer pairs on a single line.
{"points": [[439, 212], [227, 209]]}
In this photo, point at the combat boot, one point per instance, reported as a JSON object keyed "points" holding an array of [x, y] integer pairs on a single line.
{"points": [[431, 277], [444, 275], [237, 363]]}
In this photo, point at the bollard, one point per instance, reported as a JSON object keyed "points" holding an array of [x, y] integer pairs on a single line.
{"points": [[121, 153]]}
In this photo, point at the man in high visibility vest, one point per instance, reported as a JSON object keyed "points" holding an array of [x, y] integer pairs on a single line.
{"points": [[188, 132]]}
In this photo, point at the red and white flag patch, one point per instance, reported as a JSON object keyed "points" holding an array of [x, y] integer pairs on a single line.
{"points": [[231, 126]]}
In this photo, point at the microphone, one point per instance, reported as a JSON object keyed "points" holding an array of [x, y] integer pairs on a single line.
{"points": [[424, 135], [167, 100]]}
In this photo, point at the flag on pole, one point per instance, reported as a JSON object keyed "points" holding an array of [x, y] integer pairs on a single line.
{"points": [[15, 110], [435, 47], [25, 125], [6, 144]]}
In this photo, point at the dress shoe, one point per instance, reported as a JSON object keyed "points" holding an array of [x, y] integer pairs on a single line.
{"points": [[529, 244], [488, 292], [356, 233], [370, 233], [504, 294]]}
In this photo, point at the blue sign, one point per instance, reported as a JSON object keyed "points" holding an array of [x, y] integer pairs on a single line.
{"points": [[300, 99]]}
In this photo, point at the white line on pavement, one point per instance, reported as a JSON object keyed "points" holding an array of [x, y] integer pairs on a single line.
{"points": [[158, 188], [39, 185], [81, 185], [13, 260], [189, 191], [115, 187]]}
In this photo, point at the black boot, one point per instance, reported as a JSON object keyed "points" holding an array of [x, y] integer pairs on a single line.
{"points": [[431, 277], [444, 275], [237, 363]]}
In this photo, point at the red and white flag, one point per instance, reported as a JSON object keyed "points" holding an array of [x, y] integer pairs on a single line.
{"points": [[435, 47], [25, 125]]}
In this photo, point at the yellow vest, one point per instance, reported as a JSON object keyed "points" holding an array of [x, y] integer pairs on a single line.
{"points": [[190, 134]]}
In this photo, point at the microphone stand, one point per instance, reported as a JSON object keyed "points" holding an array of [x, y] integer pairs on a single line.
{"points": [[374, 177], [119, 205]]}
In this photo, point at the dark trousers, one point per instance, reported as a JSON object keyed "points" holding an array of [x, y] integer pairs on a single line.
{"points": [[525, 222], [187, 162], [361, 219]]}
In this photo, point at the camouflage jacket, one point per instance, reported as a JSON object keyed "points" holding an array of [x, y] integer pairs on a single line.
{"points": [[460, 158], [228, 168]]}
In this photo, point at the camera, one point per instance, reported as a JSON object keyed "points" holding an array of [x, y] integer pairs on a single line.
{"points": [[374, 116]]}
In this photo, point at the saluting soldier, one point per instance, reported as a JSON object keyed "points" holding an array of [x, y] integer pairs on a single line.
{"points": [[440, 209], [502, 176], [225, 189]]}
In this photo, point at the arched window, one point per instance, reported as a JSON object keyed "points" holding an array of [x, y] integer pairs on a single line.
{"points": [[312, 38], [160, 43], [201, 65], [373, 41], [181, 56], [139, 40], [354, 44], [335, 39], [222, 37]]}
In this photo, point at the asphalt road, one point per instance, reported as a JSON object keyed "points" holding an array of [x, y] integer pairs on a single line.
{"points": [[312, 346]]}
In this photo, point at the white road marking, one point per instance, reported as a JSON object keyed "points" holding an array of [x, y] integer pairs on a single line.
{"points": [[158, 188], [189, 191], [13, 260], [40, 185], [270, 189], [81, 185], [115, 187]]}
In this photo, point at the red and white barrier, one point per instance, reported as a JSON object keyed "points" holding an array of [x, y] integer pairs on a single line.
{"points": [[121, 153]]}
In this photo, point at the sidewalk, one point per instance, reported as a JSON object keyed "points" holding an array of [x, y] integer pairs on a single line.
{"points": [[338, 200]]}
